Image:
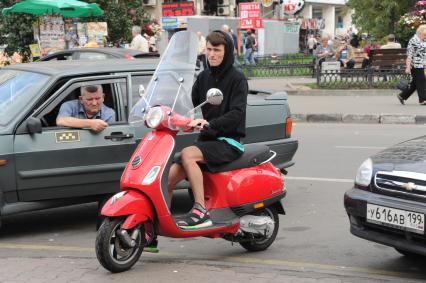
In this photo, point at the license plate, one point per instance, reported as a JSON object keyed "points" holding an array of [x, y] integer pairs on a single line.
{"points": [[396, 218]]}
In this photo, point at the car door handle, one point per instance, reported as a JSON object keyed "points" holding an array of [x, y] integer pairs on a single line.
{"points": [[118, 136]]}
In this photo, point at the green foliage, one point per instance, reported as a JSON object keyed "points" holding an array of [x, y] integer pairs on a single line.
{"points": [[404, 33], [121, 16], [379, 18], [16, 30]]}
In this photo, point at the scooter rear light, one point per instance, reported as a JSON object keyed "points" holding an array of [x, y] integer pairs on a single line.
{"points": [[288, 127]]}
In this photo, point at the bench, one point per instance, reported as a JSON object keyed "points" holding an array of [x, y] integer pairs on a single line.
{"points": [[359, 58], [385, 59]]}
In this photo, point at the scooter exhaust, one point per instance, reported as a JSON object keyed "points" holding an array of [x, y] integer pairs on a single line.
{"points": [[259, 225]]}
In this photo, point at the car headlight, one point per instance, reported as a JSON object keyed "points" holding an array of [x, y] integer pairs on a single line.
{"points": [[154, 117], [364, 174]]}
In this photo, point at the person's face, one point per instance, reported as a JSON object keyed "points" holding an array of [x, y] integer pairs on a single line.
{"points": [[92, 102], [343, 44], [324, 42], [215, 54], [422, 35]]}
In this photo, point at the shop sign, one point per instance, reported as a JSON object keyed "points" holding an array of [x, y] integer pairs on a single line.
{"points": [[292, 7], [169, 23], [292, 28], [177, 9], [250, 15]]}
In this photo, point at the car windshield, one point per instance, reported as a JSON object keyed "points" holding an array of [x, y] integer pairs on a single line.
{"points": [[171, 84], [17, 89]]}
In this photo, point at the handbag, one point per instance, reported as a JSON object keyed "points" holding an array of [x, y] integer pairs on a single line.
{"points": [[403, 85]]}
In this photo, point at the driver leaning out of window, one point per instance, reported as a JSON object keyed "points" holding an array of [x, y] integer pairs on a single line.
{"points": [[88, 111]]}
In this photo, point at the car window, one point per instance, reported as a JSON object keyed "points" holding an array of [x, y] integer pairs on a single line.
{"points": [[93, 56], [72, 100], [138, 80], [18, 88], [60, 57]]}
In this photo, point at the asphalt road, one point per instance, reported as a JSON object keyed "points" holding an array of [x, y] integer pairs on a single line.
{"points": [[313, 244]]}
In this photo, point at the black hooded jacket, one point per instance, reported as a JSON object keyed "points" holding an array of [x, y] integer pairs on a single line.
{"points": [[229, 118]]}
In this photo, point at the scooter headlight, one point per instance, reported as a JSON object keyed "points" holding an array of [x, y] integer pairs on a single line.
{"points": [[154, 117], [364, 174]]}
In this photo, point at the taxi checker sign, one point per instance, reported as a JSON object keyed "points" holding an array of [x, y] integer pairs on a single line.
{"points": [[67, 136], [250, 15], [292, 7]]}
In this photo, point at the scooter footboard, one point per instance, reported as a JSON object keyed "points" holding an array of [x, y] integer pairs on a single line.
{"points": [[133, 204]]}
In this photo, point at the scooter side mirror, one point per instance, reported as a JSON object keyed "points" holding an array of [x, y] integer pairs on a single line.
{"points": [[141, 90], [214, 96]]}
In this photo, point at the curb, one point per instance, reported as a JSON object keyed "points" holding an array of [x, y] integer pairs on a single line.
{"points": [[342, 92], [360, 118]]}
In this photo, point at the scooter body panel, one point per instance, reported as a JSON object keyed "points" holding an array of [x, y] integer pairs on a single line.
{"points": [[242, 186], [131, 203], [155, 150]]}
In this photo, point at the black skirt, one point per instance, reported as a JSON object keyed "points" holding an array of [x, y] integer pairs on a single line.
{"points": [[217, 152]]}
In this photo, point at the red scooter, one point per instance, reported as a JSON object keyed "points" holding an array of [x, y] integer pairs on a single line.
{"points": [[243, 197]]}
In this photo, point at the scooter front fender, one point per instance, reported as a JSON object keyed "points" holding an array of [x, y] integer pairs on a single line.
{"points": [[133, 204]]}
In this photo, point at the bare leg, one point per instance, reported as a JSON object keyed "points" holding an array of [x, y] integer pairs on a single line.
{"points": [[191, 156], [176, 174]]}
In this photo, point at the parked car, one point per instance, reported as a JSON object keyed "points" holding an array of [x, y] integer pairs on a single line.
{"points": [[97, 54], [43, 165], [387, 204]]}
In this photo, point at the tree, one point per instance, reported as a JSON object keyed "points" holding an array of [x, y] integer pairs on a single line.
{"points": [[379, 18], [16, 30], [121, 16]]}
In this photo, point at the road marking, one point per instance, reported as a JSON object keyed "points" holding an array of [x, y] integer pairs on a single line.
{"points": [[230, 259], [318, 179], [359, 147]]}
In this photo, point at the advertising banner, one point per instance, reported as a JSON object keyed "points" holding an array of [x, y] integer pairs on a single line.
{"points": [[177, 9], [250, 16]]}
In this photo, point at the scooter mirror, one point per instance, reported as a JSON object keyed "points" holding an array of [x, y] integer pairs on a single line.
{"points": [[141, 90], [214, 96]]}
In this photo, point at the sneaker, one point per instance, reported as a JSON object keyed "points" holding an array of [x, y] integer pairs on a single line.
{"points": [[401, 100], [423, 103], [153, 247], [198, 217]]}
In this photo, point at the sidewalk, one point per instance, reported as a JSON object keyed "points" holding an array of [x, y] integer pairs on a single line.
{"points": [[347, 106]]}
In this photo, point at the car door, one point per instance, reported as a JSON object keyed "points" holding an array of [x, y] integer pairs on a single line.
{"points": [[62, 162]]}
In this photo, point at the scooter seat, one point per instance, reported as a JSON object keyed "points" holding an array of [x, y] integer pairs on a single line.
{"points": [[253, 155]]}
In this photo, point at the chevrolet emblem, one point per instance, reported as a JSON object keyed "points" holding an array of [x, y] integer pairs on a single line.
{"points": [[409, 186], [67, 136]]}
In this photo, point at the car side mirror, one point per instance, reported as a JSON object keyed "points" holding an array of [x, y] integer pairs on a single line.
{"points": [[214, 96], [34, 125]]}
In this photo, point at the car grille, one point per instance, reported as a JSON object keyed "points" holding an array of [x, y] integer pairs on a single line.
{"points": [[402, 182]]}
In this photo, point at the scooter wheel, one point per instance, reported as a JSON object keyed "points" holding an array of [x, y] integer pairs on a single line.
{"points": [[260, 244], [110, 251]]}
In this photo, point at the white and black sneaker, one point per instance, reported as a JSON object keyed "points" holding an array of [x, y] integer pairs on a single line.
{"points": [[198, 217]]}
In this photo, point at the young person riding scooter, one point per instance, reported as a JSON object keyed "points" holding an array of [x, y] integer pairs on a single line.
{"points": [[221, 129]]}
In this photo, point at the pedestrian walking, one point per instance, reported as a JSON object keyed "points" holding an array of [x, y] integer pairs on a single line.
{"points": [[415, 65], [250, 45], [312, 42]]}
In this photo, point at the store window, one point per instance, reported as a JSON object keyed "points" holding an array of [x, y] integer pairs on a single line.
{"points": [[317, 13]]}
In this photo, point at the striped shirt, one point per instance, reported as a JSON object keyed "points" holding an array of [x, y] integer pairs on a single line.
{"points": [[416, 52]]}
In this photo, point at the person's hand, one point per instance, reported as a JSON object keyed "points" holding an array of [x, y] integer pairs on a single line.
{"points": [[98, 125], [198, 123], [408, 70]]}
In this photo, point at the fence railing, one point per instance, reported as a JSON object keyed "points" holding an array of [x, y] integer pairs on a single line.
{"points": [[278, 70], [360, 78]]}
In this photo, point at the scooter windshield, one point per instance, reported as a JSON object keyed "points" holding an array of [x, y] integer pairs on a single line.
{"points": [[172, 81]]}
